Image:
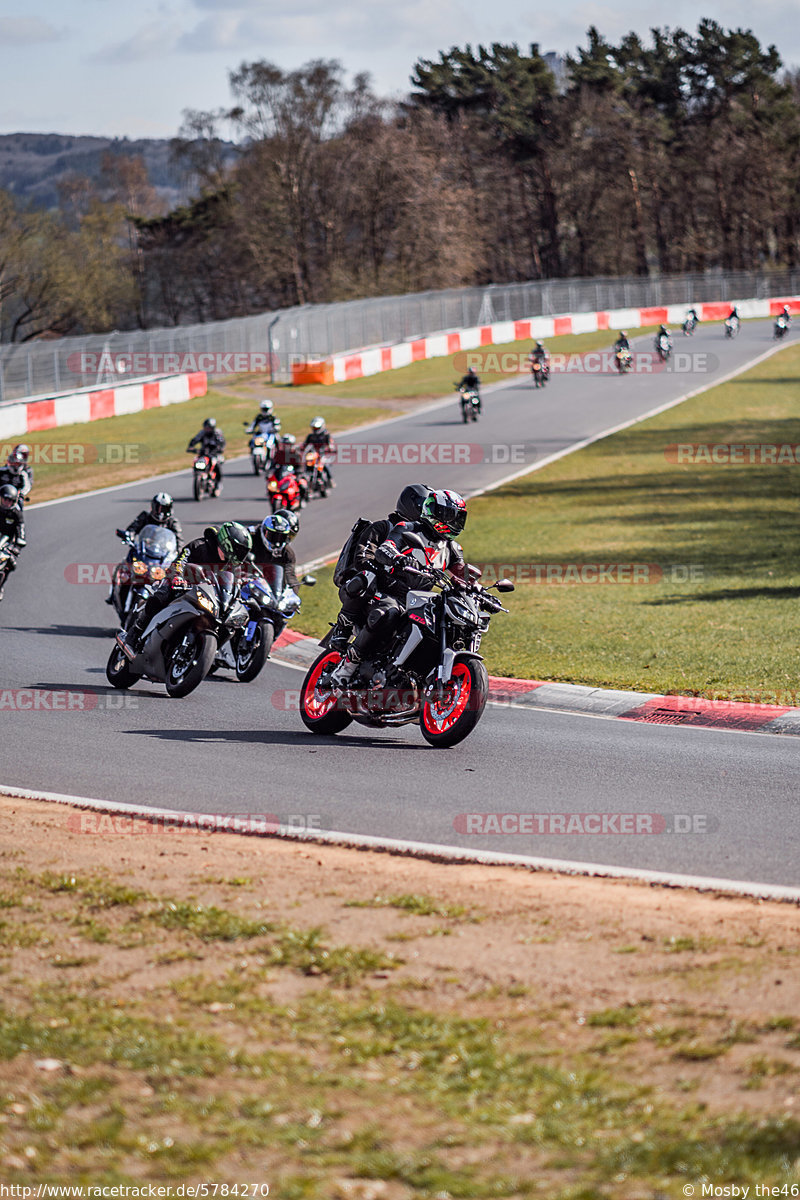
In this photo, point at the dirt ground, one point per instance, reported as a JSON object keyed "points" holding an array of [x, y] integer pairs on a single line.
{"points": [[675, 994]]}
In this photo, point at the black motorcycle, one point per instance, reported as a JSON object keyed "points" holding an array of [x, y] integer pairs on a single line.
{"points": [[470, 401], [431, 671], [781, 327]]}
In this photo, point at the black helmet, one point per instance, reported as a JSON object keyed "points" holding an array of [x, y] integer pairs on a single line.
{"points": [[234, 541], [210, 423], [411, 499], [161, 507], [444, 513], [278, 529], [8, 495]]}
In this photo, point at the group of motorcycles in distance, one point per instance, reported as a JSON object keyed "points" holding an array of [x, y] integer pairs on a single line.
{"points": [[294, 474], [539, 361]]}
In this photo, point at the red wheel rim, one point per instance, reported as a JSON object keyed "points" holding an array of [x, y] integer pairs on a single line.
{"points": [[439, 716], [315, 708]]}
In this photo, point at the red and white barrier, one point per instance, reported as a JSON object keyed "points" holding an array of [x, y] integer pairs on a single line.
{"points": [[438, 345], [74, 408]]}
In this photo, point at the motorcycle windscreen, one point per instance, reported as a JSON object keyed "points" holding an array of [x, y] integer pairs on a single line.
{"points": [[157, 543], [273, 574]]}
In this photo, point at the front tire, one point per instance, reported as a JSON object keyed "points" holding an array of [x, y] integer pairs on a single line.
{"points": [[118, 672], [190, 659], [198, 487], [250, 657], [321, 715], [447, 722]]}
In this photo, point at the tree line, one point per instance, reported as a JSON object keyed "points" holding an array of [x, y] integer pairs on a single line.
{"points": [[679, 153]]}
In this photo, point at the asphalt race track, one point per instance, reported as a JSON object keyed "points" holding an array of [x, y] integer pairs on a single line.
{"points": [[238, 748]]}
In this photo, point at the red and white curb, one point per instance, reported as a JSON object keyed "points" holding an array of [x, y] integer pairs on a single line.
{"points": [[296, 650], [373, 360], [94, 404]]}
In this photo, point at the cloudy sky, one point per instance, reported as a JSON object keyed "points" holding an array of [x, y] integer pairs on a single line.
{"points": [[120, 68]]}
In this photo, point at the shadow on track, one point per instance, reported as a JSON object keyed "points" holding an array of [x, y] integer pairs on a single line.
{"points": [[92, 631], [278, 737]]}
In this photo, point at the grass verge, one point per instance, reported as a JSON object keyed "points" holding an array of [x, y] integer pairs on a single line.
{"points": [[223, 1037]]}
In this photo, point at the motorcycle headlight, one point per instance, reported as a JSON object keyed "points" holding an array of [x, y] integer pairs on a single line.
{"points": [[157, 572], [139, 568], [206, 602], [290, 602], [272, 485], [460, 610]]}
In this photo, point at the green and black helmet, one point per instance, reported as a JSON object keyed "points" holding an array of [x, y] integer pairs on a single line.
{"points": [[234, 541]]}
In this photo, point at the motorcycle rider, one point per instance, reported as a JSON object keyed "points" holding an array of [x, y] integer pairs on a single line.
{"points": [[786, 315], [733, 315], [663, 332], [218, 549], [17, 472], [401, 566], [265, 419], [353, 612], [471, 383], [211, 441], [539, 354], [12, 526], [622, 342], [318, 438], [160, 513], [287, 458], [271, 544]]}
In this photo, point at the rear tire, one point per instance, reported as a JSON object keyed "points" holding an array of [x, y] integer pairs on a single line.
{"points": [[118, 672], [189, 663], [449, 722], [250, 664], [321, 716]]}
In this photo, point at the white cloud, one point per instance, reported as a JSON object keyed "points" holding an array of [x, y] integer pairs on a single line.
{"points": [[28, 31], [153, 40]]}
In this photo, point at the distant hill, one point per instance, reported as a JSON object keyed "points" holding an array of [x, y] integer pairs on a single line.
{"points": [[31, 164]]}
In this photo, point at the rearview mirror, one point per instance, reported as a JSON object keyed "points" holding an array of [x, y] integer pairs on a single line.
{"points": [[309, 580], [505, 585]]}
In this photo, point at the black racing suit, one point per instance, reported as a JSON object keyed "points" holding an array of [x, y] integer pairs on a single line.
{"points": [[19, 477], [402, 567], [353, 612], [12, 526], [323, 443], [211, 442], [473, 384], [147, 518], [621, 343], [286, 558]]}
